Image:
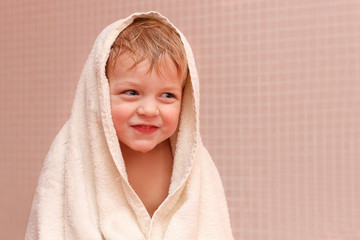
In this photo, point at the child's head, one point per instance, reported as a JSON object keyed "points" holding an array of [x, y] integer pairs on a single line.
{"points": [[146, 69], [149, 39]]}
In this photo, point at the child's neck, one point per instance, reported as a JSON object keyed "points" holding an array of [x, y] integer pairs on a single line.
{"points": [[160, 153], [149, 174]]}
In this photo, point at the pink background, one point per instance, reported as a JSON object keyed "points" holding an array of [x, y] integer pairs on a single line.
{"points": [[280, 84]]}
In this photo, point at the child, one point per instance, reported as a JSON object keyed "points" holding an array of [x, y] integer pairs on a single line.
{"points": [[129, 163]]}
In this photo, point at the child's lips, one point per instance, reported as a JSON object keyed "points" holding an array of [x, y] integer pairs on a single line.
{"points": [[145, 129]]}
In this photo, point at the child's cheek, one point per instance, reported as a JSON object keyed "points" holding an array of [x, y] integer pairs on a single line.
{"points": [[172, 116], [121, 112]]}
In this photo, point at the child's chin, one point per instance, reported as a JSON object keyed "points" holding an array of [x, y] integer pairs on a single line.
{"points": [[145, 150], [142, 149]]}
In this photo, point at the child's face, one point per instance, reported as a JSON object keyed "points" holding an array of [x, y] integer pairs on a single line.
{"points": [[145, 106]]}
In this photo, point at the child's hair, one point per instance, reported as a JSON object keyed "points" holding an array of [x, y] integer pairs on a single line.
{"points": [[149, 39]]}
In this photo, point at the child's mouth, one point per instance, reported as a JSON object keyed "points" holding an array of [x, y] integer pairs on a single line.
{"points": [[145, 129]]}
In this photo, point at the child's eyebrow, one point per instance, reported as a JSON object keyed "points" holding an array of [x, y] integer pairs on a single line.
{"points": [[172, 88], [127, 83]]}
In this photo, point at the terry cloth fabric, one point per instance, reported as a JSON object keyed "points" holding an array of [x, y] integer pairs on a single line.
{"points": [[83, 191]]}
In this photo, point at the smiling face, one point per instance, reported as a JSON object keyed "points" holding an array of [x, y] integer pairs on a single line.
{"points": [[145, 105]]}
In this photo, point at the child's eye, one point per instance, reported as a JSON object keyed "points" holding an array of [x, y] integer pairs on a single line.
{"points": [[130, 92], [168, 95]]}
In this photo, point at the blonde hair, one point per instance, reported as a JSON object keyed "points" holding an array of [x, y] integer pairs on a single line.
{"points": [[149, 39]]}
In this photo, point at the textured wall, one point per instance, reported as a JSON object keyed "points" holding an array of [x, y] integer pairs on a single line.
{"points": [[280, 84]]}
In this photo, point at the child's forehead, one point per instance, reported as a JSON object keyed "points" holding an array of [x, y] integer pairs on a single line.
{"points": [[127, 63], [127, 67]]}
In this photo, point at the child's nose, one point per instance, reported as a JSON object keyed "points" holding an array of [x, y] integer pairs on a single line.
{"points": [[149, 108]]}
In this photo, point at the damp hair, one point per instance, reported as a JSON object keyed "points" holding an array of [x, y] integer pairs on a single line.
{"points": [[149, 39]]}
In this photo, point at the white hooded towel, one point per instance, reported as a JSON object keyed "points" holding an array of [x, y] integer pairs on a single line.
{"points": [[83, 191]]}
